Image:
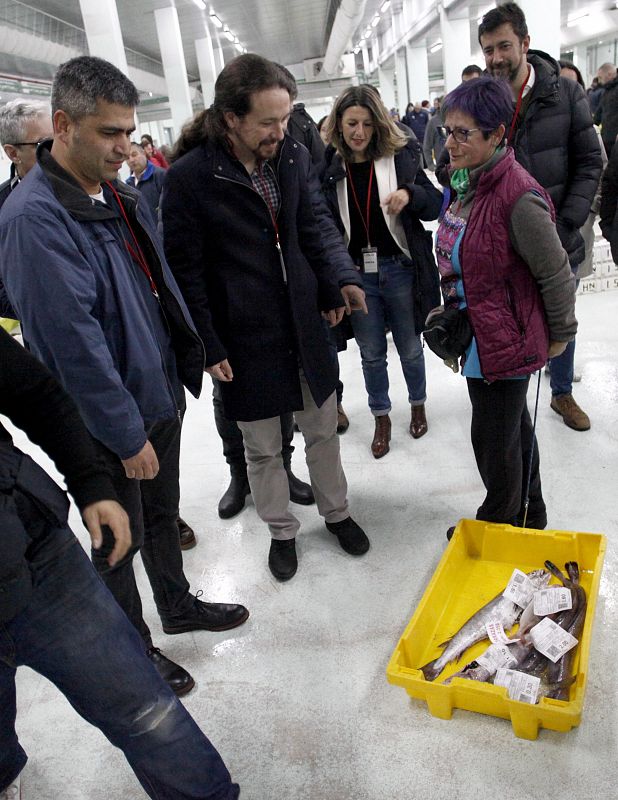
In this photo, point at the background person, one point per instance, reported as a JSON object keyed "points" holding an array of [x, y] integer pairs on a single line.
{"points": [[378, 195], [154, 155], [22, 126], [433, 143], [146, 177], [500, 257]]}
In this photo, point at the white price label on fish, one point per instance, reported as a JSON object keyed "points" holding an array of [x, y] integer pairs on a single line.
{"points": [[520, 589], [496, 633], [519, 686], [552, 600], [551, 640], [495, 657]]}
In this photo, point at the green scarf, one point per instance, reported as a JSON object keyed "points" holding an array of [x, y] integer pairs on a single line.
{"points": [[460, 181]]}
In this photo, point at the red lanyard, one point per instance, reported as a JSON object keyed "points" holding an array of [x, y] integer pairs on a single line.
{"points": [[135, 252], [518, 107], [368, 210]]}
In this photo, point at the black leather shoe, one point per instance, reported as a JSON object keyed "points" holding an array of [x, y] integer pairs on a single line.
{"points": [[352, 537], [233, 501], [187, 535], [177, 678], [207, 617], [282, 559], [300, 492]]}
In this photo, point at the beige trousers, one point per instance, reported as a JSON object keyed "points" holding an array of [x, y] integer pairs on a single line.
{"points": [[268, 479]]}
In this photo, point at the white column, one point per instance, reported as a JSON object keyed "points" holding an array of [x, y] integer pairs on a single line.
{"points": [[365, 53], [418, 74], [387, 86], [207, 68], [403, 95], [173, 57], [103, 32], [455, 35], [580, 59], [543, 18]]}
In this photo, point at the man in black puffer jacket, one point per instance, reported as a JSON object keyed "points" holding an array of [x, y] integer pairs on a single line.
{"points": [[553, 138]]}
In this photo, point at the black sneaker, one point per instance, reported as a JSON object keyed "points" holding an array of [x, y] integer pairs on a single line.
{"points": [[282, 560], [352, 537], [207, 617], [450, 532]]}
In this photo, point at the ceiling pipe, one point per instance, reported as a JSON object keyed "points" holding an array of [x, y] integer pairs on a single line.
{"points": [[347, 20]]}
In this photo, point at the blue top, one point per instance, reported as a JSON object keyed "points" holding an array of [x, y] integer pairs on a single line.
{"points": [[472, 365]]}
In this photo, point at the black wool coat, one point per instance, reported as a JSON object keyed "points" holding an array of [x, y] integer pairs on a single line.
{"points": [[220, 241]]}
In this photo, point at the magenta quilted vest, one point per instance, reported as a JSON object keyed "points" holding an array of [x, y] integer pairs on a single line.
{"points": [[504, 302]]}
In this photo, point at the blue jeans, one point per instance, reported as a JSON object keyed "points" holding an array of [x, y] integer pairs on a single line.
{"points": [[561, 368], [75, 634], [561, 371], [389, 301]]}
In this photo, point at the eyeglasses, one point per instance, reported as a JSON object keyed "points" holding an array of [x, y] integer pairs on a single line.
{"points": [[31, 144], [460, 135]]}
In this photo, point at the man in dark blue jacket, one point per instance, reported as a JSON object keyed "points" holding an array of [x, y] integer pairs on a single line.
{"points": [[242, 238], [56, 616], [146, 177], [84, 269]]}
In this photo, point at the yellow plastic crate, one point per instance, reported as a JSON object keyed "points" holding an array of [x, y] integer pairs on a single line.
{"points": [[475, 567]]}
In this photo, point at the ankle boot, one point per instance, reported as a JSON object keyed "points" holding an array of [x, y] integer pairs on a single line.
{"points": [[418, 422], [300, 492], [382, 436], [233, 501]]}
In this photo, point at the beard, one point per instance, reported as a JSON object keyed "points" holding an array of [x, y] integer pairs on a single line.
{"points": [[507, 70], [258, 152]]}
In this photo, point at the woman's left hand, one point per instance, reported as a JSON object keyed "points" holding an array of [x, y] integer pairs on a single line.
{"points": [[396, 201]]}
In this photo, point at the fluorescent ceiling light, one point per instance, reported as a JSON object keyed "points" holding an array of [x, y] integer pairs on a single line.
{"points": [[375, 20], [216, 21], [576, 17], [200, 4], [436, 46], [228, 34], [385, 6], [239, 47]]}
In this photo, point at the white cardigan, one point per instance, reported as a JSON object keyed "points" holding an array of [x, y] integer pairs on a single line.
{"points": [[386, 179]]}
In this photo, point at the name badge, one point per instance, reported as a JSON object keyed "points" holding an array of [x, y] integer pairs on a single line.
{"points": [[370, 259]]}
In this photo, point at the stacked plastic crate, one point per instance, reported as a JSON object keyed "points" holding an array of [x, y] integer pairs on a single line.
{"points": [[605, 275]]}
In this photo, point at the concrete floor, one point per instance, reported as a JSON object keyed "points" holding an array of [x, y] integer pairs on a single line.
{"points": [[296, 700]]}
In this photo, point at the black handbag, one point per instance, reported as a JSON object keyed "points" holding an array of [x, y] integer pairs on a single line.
{"points": [[448, 332]]}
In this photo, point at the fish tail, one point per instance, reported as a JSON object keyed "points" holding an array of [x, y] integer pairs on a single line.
{"points": [[560, 690], [429, 670], [555, 571], [572, 567]]}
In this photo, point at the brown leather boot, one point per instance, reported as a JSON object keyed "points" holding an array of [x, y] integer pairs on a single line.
{"points": [[382, 436], [418, 422]]}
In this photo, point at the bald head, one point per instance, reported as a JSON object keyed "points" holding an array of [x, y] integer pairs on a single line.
{"points": [[606, 73]]}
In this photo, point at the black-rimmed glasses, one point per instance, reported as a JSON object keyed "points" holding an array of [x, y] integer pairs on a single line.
{"points": [[460, 135], [31, 144]]}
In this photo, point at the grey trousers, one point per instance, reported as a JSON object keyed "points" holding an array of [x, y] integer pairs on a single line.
{"points": [[268, 479]]}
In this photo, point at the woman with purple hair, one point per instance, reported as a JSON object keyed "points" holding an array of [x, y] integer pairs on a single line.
{"points": [[500, 258]]}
